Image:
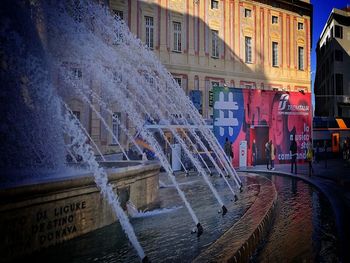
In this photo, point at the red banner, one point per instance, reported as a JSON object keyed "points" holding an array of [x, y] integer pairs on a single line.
{"points": [[267, 115]]}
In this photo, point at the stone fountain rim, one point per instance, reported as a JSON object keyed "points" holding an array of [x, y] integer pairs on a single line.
{"points": [[228, 248], [14, 194], [248, 247]]}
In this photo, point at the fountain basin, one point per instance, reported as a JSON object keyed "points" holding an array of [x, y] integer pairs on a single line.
{"points": [[44, 214], [240, 241], [166, 232]]}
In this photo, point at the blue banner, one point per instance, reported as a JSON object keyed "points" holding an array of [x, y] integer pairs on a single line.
{"points": [[228, 113]]}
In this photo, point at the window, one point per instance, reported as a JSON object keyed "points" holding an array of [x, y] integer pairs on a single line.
{"points": [[115, 127], [274, 20], [331, 81], [77, 114], [119, 33], [300, 58], [248, 49], [247, 12], [77, 73], [117, 77], [339, 84], [323, 72], [338, 55], [338, 31], [274, 54], [340, 113], [118, 13], [300, 26], [178, 80], [177, 36], [215, 84], [215, 43], [149, 31], [77, 14], [149, 79], [214, 4]]}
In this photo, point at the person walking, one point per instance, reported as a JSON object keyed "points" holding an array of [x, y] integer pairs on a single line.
{"points": [[345, 150], [227, 149], [268, 154], [293, 153], [317, 154], [254, 153], [232, 153], [309, 157], [144, 156], [273, 155], [325, 154]]}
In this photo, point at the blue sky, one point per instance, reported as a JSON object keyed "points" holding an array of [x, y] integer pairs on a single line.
{"points": [[322, 9]]}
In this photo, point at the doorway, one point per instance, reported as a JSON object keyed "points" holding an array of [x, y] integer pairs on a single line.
{"points": [[261, 136]]}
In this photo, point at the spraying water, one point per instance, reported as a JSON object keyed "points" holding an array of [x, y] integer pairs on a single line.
{"points": [[72, 128], [111, 78], [46, 40]]}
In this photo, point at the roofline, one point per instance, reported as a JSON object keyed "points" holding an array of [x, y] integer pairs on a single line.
{"points": [[330, 18]]}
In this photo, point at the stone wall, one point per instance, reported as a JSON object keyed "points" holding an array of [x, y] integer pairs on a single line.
{"points": [[36, 216]]}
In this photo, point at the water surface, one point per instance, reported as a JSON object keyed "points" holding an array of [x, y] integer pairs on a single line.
{"points": [[165, 234], [304, 228]]}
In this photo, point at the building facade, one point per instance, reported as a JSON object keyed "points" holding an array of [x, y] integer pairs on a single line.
{"points": [[245, 44], [332, 80], [263, 45]]}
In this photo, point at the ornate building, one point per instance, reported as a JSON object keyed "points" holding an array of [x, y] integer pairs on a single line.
{"points": [[204, 43], [248, 44]]}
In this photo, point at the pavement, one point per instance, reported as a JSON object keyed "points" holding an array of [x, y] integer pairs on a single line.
{"points": [[333, 180]]}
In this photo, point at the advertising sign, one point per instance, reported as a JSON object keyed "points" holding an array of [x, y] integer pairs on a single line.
{"points": [[242, 153], [196, 98], [247, 115]]}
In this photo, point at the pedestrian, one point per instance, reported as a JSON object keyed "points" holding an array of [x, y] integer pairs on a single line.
{"points": [[273, 155], [227, 149], [144, 156], [325, 154], [293, 153], [345, 150], [254, 153], [232, 153], [317, 155], [309, 157], [268, 154], [136, 156]]}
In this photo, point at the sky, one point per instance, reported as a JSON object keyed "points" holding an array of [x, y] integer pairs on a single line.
{"points": [[322, 9]]}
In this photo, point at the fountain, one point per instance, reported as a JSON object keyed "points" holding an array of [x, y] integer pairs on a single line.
{"points": [[143, 66], [53, 51], [45, 46]]}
